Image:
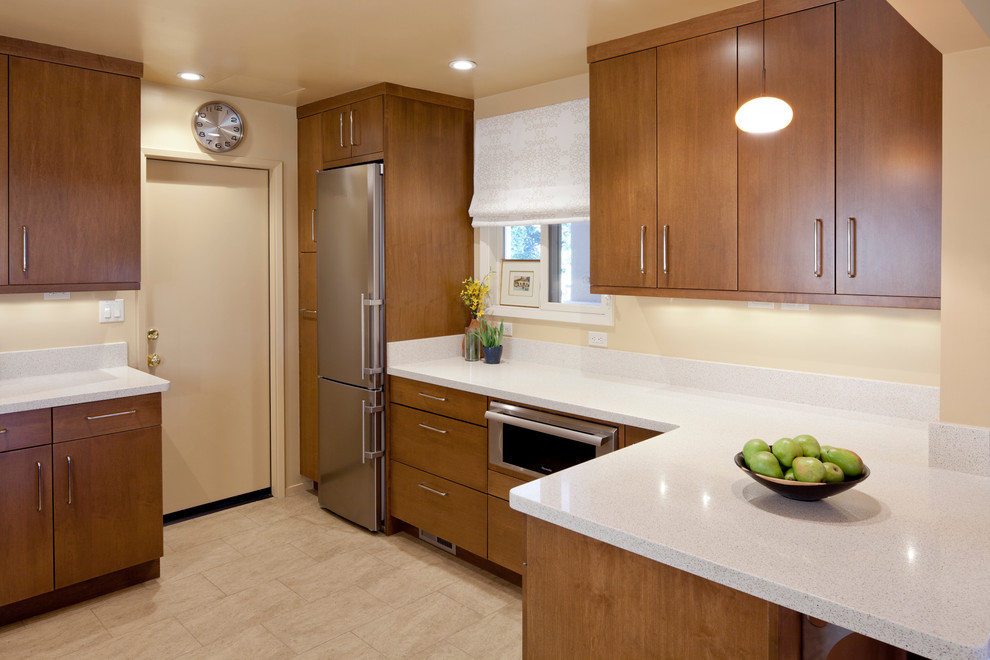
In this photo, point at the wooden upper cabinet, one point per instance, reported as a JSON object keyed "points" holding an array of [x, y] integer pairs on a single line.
{"points": [[3, 170], [624, 171], [889, 167], [74, 175], [696, 134], [310, 160], [787, 178], [354, 130]]}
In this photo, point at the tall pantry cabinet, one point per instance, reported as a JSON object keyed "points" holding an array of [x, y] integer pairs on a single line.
{"points": [[425, 141]]}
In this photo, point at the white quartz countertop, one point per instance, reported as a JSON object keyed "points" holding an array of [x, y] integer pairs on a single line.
{"points": [[900, 557], [58, 377]]}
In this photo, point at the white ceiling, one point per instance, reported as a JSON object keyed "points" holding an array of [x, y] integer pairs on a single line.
{"points": [[297, 51]]}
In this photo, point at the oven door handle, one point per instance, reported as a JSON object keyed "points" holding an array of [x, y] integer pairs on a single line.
{"points": [[586, 438]]}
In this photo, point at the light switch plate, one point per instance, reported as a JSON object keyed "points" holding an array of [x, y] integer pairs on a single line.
{"points": [[112, 311], [508, 329]]}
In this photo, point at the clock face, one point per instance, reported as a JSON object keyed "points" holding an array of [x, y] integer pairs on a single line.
{"points": [[218, 127]]}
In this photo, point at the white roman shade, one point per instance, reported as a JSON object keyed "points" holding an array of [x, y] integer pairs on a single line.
{"points": [[532, 167]]}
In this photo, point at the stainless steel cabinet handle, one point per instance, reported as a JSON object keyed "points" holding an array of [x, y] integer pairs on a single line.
{"points": [[303, 310], [665, 229], [24, 249], [851, 247], [438, 492], [365, 454], [116, 414], [430, 396], [39, 486], [312, 225], [341, 130], [375, 368], [430, 428], [642, 249], [3, 430], [68, 471], [818, 248], [570, 434], [352, 128]]}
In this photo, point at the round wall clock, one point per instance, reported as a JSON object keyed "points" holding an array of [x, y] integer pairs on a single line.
{"points": [[218, 127]]}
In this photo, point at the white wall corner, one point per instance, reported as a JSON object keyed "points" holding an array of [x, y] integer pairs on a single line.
{"points": [[959, 448]]}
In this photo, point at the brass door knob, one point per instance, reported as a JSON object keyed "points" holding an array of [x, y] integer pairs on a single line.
{"points": [[152, 334], [154, 360]]}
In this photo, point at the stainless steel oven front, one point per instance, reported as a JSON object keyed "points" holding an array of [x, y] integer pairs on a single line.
{"points": [[538, 443]]}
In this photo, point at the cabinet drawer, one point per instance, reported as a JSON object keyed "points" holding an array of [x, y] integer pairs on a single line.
{"points": [[441, 400], [451, 511], [85, 420], [500, 484], [30, 428], [446, 447], [506, 535]]}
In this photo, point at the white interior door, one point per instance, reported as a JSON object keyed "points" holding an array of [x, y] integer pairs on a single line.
{"points": [[205, 285]]}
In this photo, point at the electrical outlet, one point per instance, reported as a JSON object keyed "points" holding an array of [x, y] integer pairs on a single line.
{"points": [[599, 339], [508, 329]]}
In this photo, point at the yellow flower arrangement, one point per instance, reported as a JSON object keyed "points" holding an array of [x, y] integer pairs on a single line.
{"points": [[475, 294]]}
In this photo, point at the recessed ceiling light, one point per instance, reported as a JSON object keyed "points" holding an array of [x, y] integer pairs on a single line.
{"points": [[190, 75], [463, 65]]}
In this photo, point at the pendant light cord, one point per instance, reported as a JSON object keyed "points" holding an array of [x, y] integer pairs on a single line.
{"points": [[763, 30]]}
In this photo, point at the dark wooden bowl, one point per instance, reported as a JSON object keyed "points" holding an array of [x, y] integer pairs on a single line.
{"points": [[799, 490]]}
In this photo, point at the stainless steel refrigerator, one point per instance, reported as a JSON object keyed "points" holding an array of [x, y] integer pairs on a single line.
{"points": [[350, 266]]}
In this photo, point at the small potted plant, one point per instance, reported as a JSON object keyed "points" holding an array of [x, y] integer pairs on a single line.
{"points": [[491, 340]]}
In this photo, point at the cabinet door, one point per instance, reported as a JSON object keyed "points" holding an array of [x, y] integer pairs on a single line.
{"points": [[367, 122], [75, 188], [624, 171], [309, 394], [25, 523], [787, 178], [335, 128], [696, 135], [889, 166], [310, 159], [108, 503], [3, 170]]}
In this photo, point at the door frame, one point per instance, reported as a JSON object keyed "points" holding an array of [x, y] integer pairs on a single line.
{"points": [[276, 293]]}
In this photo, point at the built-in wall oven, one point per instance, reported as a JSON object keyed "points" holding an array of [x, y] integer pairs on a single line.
{"points": [[538, 443]]}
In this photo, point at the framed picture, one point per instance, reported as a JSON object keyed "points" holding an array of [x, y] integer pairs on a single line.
{"points": [[519, 283]]}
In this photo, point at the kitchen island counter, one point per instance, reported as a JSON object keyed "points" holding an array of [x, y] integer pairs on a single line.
{"points": [[898, 558]]}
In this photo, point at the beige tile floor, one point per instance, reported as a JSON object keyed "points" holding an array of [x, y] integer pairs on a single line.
{"points": [[282, 578]]}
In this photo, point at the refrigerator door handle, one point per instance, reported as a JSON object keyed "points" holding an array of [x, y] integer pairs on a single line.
{"points": [[365, 454], [375, 361]]}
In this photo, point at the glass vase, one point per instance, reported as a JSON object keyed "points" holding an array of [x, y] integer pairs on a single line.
{"points": [[472, 345]]}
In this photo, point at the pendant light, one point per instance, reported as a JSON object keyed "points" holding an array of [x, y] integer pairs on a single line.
{"points": [[764, 114]]}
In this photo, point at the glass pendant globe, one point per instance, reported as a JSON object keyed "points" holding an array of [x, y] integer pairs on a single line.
{"points": [[764, 114]]}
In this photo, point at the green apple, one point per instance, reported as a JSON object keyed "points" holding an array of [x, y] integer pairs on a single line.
{"points": [[786, 450], [833, 473], [765, 463], [809, 469], [752, 447], [809, 446]]}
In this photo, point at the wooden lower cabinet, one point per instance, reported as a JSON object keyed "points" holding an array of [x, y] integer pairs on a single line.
{"points": [[309, 391], [506, 535], [108, 504], [25, 523], [446, 447]]}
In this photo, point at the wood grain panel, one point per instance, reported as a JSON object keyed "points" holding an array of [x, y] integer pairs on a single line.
{"points": [[500, 484], [429, 242], [58, 55], [367, 122], [693, 27], [696, 135], [3, 170], [310, 158], [25, 553], [584, 598], [787, 178], [25, 429], [454, 512], [624, 171], [309, 396], [391, 89], [111, 416], [506, 535], [634, 434], [334, 128], [777, 8], [442, 446], [446, 401], [889, 154], [115, 517], [76, 184]]}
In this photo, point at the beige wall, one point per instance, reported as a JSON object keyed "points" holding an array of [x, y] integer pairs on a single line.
{"points": [[884, 344], [29, 322], [966, 238]]}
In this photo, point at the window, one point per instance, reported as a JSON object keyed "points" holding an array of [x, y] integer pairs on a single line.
{"points": [[564, 253]]}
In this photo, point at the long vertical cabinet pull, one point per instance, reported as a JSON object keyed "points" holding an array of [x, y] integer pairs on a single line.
{"points": [[24, 249], [68, 471], [352, 128], [818, 247], [341, 130], [642, 249], [312, 225], [851, 247], [665, 229], [39, 486]]}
